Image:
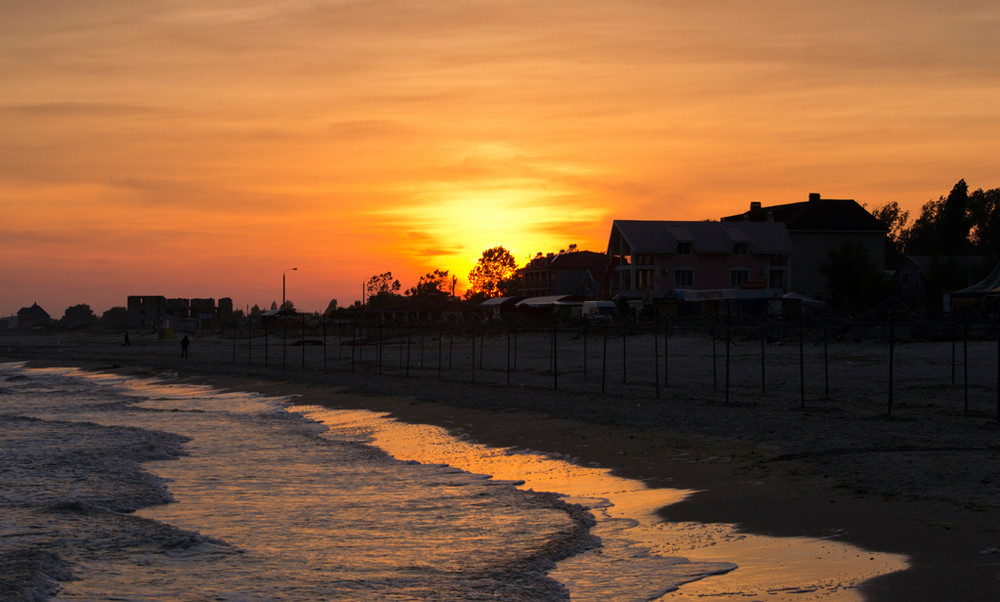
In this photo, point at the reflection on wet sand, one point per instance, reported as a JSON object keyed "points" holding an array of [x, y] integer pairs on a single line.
{"points": [[642, 548]]}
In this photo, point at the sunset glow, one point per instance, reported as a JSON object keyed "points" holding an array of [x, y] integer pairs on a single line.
{"points": [[197, 150]]}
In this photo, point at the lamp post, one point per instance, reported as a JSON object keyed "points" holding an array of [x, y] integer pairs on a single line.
{"points": [[283, 286]]}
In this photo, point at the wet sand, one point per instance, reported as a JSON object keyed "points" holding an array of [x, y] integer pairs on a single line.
{"points": [[924, 482]]}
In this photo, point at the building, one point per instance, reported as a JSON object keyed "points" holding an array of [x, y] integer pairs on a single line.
{"points": [[698, 261], [146, 311], [580, 273], [911, 277], [815, 227], [32, 317], [150, 311]]}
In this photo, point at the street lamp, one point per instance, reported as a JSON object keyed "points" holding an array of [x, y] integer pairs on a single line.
{"points": [[283, 286]]}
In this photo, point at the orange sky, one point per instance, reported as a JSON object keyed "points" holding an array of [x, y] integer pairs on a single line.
{"points": [[198, 149]]}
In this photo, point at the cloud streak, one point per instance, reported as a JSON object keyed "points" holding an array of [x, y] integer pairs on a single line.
{"points": [[355, 137]]}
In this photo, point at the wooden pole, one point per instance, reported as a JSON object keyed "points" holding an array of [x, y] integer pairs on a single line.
{"points": [[892, 357], [763, 362], [555, 356], [625, 355], [802, 357], [656, 359], [965, 364], [729, 322], [666, 354], [604, 361], [826, 361], [508, 356]]}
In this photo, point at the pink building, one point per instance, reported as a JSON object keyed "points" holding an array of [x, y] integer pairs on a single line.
{"points": [[699, 261]]}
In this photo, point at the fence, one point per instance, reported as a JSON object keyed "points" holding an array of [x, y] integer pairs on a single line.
{"points": [[733, 359]]}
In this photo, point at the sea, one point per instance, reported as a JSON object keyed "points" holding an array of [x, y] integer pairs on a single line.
{"points": [[118, 487]]}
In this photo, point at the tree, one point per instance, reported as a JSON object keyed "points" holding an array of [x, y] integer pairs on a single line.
{"points": [[493, 275], [331, 308], [381, 287], [116, 317], [894, 219], [854, 282], [923, 237], [984, 216], [77, 316], [954, 221], [433, 283]]}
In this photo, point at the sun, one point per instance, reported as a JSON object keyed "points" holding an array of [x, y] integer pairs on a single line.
{"points": [[451, 229]]}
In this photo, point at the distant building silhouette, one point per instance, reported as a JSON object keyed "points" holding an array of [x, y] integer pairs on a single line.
{"points": [[815, 227], [155, 311], [581, 273], [32, 317], [911, 275]]}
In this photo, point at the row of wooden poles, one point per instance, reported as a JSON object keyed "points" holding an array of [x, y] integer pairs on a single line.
{"points": [[376, 336]]}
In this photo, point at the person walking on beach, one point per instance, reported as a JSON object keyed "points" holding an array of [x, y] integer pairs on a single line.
{"points": [[126, 339], [184, 346]]}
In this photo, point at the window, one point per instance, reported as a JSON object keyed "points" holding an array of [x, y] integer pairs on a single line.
{"points": [[683, 277], [741, 248], [738, 277], [683, 248], [777, 279]]}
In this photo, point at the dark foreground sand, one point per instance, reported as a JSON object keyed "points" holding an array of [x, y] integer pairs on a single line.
{"points": [[924, 482]]}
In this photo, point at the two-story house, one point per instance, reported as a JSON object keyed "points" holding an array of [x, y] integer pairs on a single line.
{"points": [[580, 273], [698, 261], [816, 227]]}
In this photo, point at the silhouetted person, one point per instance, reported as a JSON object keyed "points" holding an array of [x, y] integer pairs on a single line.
{"points": [[184, 346], [126, 339]]}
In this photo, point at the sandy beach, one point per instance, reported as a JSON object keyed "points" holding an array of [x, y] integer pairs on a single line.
{"points": [[774, 454]]}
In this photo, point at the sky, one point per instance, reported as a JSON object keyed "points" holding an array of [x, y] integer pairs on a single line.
{"points": [[201, 149]]}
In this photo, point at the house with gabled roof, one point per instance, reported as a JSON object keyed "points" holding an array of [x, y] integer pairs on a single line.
{"points": [[698, 261], [32, 317], [581, 273], [816, 226]]}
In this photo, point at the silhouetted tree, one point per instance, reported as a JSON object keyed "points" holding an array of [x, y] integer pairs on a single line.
{"points": [[984, 216], [944, 275], [331, 308], [433, 283], [924, 236], [77, 316], [256, 310], [954, 221], [116, 317], [382, 287], [944, 225], [894, 218], [854, 282], [493, 275]]}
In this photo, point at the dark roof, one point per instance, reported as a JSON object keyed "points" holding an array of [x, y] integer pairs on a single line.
{"points": [[764, 238], [816, 214], [35, 311], [576, 260]]}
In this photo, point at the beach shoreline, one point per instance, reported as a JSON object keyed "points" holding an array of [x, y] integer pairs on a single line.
{"points": [[922, 483]]}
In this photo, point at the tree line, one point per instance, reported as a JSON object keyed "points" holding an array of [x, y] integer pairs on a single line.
{"points": [[961, 224], [494, 275]]}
